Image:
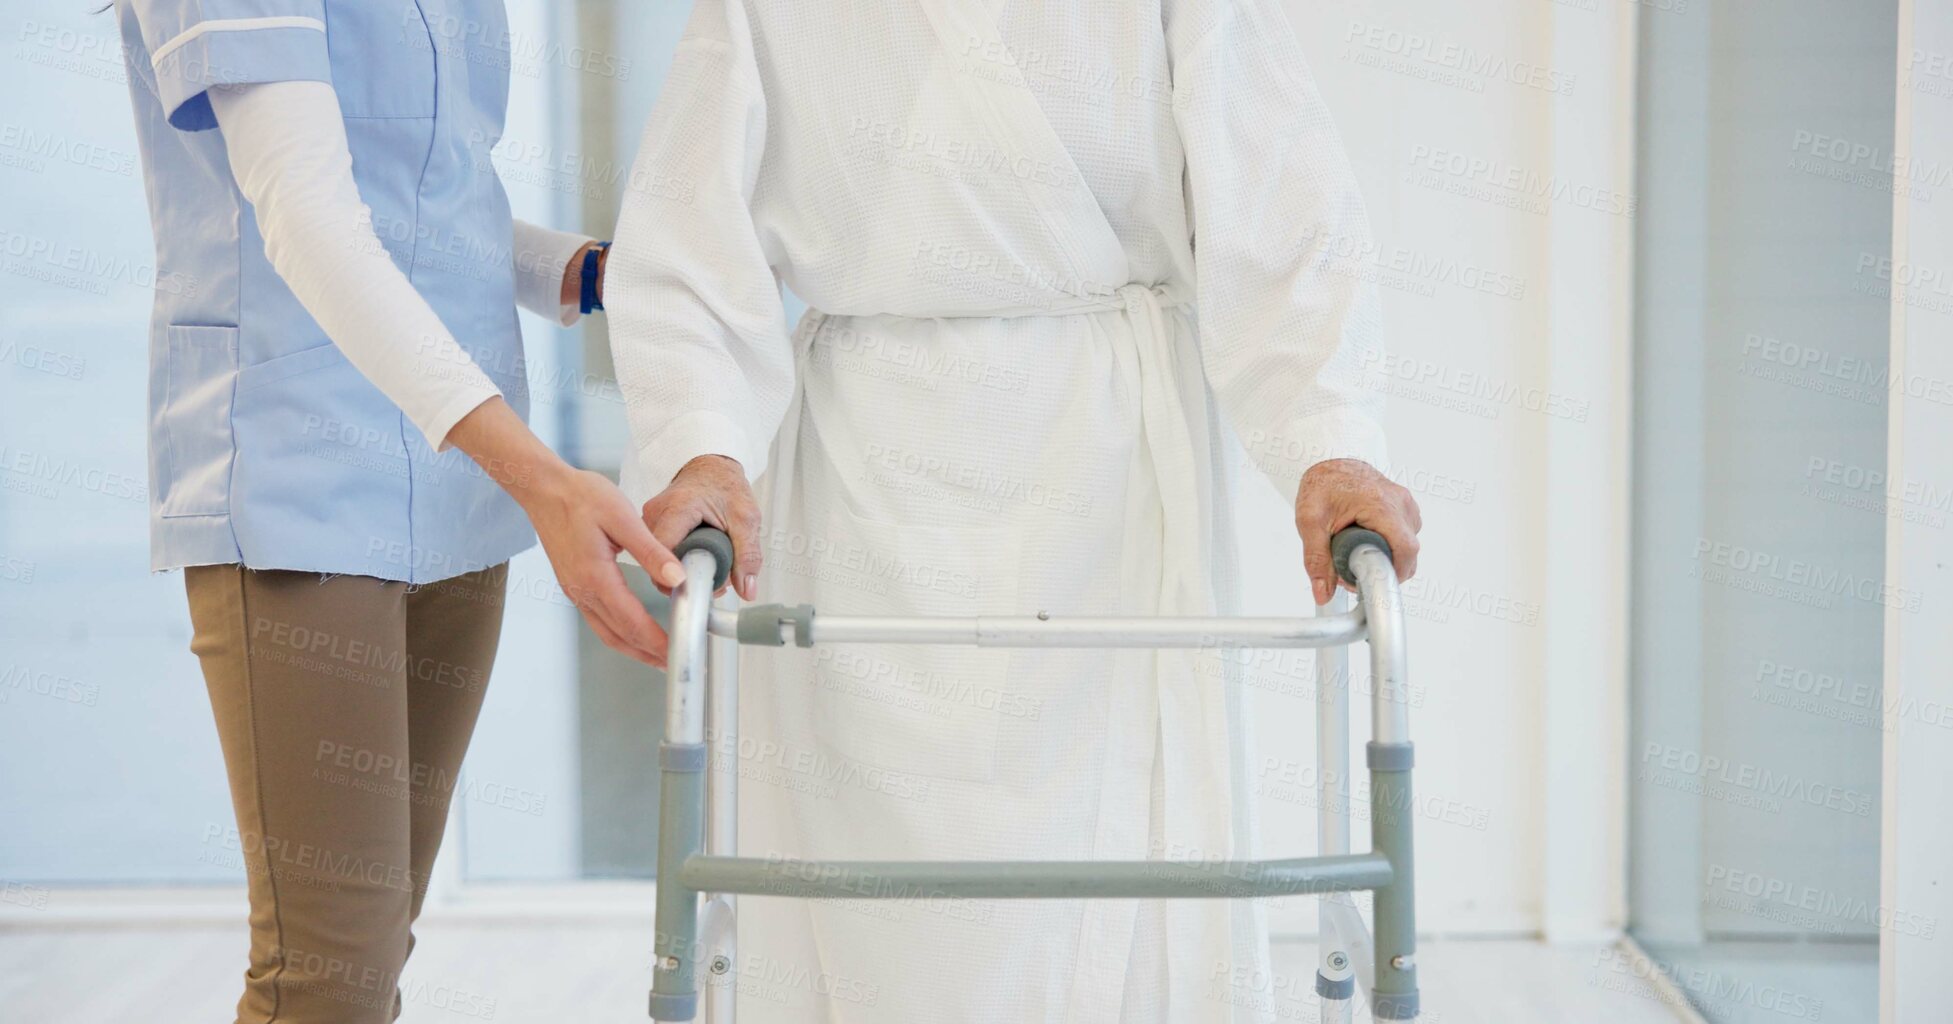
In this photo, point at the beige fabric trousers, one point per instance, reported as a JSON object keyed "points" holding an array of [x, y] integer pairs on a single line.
{"points": [[344, 705]]}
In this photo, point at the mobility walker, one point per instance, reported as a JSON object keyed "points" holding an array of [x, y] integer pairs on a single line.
{"points": [[699, 874]]}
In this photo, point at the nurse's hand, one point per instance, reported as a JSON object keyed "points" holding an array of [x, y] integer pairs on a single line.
{"points": [[712, 490], [1349, 492], [583, 521]]}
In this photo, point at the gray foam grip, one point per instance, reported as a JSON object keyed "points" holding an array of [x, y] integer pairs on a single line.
{"points": [[714, 540], [1345, 543]]}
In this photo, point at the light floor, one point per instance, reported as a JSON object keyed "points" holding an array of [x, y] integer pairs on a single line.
{"points": [[1737, 982], [521, 973]]}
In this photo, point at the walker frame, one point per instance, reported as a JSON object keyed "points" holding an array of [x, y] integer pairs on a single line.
{"points": [[699, 873]]}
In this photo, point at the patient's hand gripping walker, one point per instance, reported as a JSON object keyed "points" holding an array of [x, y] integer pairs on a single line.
{"points": [[695, 913]]}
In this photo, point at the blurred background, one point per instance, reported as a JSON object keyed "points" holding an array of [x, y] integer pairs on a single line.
{"points": [[1638, 379]]}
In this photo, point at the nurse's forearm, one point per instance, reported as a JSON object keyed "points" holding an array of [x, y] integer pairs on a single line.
{"points": [[509, 452]]}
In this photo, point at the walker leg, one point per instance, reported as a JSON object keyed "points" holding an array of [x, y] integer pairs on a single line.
{"points": [[719, 920], [1345, 967], [681, 833], [682, 761], [1395, 993], [716, 928], [1337, 922]]}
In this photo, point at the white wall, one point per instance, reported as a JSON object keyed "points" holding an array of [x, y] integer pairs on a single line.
{"points": [[1491, 141], [1917, 852]]}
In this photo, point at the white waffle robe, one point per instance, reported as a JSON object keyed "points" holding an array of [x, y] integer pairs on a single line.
{"points": [[1053, 253]]}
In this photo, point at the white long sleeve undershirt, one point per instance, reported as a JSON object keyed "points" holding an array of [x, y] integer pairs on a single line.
{"points": [[287, 149]]}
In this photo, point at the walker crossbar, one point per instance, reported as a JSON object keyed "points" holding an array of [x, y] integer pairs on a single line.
{"points": [[1034, 880], [684, 941]]}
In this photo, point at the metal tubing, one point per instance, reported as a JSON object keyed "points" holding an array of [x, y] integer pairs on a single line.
{"points": [[675, 944], [722, 744], [1335, 963], [1036, 631], [691, 605], [1332, 740], [1394, 994], [718, 920], [681, 811], [1005, 880], [1383, 617], [718, 947]]}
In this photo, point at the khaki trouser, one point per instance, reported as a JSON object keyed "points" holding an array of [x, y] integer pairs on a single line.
{"points": [[344, 705]]}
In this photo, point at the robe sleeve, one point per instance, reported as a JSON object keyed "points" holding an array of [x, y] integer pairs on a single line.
{"points": [[1283, 262], [697, 327]]}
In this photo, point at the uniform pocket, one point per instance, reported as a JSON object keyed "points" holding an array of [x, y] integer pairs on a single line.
{"points": [[200, 385], [926, 710]]}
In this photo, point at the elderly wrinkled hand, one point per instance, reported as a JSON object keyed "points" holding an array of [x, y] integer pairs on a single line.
{"points": [[1349, 492], [712, 490]]}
